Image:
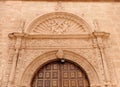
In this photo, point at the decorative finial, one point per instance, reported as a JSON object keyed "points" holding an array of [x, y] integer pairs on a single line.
{"points": [[22, 25], [60, 54]]}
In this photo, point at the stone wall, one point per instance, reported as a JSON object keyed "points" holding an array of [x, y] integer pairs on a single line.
{"points": [[100, 16]]}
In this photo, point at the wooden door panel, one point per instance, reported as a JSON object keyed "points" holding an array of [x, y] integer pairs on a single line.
{"points": [[54, 83], [57, 74], [65, 83], [73, 83], [72, 75], [39, 83]]}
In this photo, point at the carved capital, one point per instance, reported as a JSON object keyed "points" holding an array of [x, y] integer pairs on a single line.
{"points": [[16, 34], [82, 39], [99, 38], [101, 34]]}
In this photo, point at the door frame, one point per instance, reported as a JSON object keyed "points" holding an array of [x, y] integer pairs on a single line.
{"points": [[51, 56]]}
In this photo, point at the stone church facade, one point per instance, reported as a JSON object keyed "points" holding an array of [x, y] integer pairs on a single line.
{"points": [[59, 44]]}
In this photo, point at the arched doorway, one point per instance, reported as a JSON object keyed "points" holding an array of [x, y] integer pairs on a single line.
{"points": [[60, 73]]}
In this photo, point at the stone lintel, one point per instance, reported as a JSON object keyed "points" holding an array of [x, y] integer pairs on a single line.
{"points": [[60, 36]]}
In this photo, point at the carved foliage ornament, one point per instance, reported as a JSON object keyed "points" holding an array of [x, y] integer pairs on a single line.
{"points": [[58, 23]]}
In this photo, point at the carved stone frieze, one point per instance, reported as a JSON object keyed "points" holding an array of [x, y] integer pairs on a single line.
{"points": [[58, 43], [38, 41], [29, 56]]}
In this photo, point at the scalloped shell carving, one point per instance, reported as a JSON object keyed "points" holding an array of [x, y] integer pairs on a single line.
{"points": [[58, 23]]}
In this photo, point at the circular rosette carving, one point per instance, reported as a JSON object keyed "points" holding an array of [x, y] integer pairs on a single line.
{"points": [[58, 23]]}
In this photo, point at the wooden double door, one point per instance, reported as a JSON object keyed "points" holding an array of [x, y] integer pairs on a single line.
{"points": [[60, 74]]}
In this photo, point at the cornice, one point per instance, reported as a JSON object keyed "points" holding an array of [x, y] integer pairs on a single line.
{"points": [[57, 36]]}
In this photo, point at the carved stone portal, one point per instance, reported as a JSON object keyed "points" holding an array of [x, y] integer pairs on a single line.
{"points": [[59, 35]]}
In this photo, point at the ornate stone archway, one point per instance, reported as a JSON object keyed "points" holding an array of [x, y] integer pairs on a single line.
{"points": [[50, 56], [53, 31]]}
